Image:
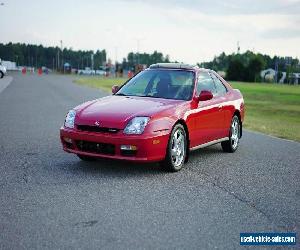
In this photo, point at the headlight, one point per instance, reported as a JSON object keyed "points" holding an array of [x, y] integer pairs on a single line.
{"points": [[136, 125], [70, 119]]}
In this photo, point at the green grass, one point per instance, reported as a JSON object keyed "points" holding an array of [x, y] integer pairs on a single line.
{"points": [[270, 108], [99, 82]]}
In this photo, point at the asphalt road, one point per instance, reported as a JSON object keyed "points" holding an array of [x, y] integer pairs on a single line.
{"points": [[52, 200]]}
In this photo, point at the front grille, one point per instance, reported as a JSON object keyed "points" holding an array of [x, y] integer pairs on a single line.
{"points": [[95, 147], [97, 129]]}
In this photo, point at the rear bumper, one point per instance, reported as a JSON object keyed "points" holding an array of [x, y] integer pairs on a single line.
{"points": [[149, 149]]}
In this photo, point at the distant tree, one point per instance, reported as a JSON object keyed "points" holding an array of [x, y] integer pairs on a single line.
{"points": [[144, 58], [236, 70], [255, 66]]}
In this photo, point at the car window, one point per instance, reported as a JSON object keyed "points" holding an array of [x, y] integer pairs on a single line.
{"points": [[220, 88], [138, 84], [168, 84], [205, 82]]}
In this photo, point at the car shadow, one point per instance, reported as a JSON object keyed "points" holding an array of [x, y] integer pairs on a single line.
{"points": [[115, 168], [206, 152], [119, 169], [103, 166]]}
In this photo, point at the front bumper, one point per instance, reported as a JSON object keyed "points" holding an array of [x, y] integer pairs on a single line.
{"points": [[149, 148]]}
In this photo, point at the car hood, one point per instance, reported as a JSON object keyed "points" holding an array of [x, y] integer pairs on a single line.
{"points": [[116, 111]]}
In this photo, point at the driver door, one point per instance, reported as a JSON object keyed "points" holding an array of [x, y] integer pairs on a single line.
{"points": [[207, 117]]}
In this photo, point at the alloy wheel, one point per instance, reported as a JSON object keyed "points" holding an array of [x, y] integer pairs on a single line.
{"points": [[235, 132], [178, 148]]}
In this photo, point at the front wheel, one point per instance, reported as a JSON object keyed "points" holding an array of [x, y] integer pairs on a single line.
{"points": [[1, 74], [232, 144], [176, 149]]}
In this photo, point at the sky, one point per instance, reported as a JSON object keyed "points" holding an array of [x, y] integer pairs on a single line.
{"points": [[189, 31]]}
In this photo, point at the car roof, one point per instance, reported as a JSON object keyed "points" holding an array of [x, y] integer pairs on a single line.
{"points": [[182, 66], [173, 66]]}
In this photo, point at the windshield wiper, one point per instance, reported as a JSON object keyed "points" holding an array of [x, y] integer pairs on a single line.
{"points": [[145, 95], [120, 94]]}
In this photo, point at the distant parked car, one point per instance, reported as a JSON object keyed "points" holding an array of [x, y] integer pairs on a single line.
{"points": [[86, 71], [158, 115], [2, 71], [100, 72]]}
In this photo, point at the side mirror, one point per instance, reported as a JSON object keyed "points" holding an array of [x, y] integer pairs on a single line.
{"points": [[205, 95], [114, 89]]}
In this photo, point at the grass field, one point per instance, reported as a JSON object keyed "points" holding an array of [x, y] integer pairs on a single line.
{"points": [[100, 82], [270, 108]]}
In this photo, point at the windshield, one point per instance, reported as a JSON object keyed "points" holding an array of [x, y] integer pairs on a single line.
{"points": [[168, 84]]}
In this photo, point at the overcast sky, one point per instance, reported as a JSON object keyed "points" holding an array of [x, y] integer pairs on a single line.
{"points": [[188, 30]]}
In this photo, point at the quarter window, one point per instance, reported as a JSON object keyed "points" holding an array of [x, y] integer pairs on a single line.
{"points": [[205, 82], [220, 88]]}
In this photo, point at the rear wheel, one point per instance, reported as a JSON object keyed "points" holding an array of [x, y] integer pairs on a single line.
{"points": [[176, 149], [234, 136], [1, 74], [86, 158]]}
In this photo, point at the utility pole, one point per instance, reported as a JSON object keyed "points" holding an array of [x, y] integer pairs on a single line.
{"points": [[58, 59], [62, 54], [92, 61], [138, 49], [276, 70], [238, 47], [116, 54], [138, 40]]}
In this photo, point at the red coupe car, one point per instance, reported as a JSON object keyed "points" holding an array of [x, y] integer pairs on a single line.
{"points": [[159, 115]]}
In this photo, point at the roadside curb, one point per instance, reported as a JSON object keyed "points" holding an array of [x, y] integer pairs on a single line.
{"points": [[4, 82]]}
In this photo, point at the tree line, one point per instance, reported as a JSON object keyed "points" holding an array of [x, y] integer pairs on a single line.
{"points": [[50, 57], [247, 66], [144, 58], [237, 66], [55, 57]]}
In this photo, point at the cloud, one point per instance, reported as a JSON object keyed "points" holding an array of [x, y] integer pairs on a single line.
{"points": [[229, 7], [189, 31], [281, 33]]}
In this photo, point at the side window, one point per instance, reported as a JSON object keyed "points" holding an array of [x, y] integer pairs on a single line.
{"points": [[221, 89], [205, 82]]}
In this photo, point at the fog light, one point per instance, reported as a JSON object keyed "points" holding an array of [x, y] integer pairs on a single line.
{"points": [[128, 147], [68, 140]]}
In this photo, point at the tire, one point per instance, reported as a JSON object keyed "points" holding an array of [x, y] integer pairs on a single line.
{"points": [[232, 144], [86, 158], [1, 74], [176, 149]]}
